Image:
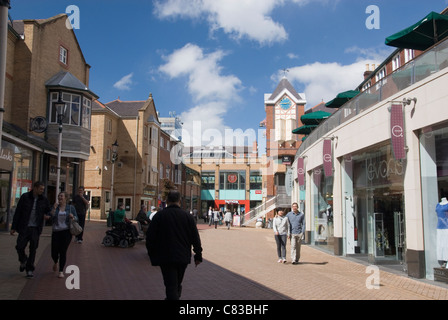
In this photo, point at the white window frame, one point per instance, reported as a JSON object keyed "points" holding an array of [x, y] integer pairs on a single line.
{"points": [[63, 55], [396, 62]]}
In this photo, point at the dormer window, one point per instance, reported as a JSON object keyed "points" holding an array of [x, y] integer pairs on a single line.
{"points": [[63, 55]]}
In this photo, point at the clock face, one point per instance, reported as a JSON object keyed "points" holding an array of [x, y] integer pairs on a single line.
{"points": [[285, 104]]}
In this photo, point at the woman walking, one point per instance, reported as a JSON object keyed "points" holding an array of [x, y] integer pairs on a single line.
{"points": [[61, 237], [281, 231]]}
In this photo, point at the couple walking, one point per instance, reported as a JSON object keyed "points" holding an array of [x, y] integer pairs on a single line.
{"points": [[33, 209], [291, 226]]}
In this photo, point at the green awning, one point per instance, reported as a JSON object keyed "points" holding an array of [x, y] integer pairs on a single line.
{"points": [[314, 117], [304, 129], [342, 98], [422, 35]]}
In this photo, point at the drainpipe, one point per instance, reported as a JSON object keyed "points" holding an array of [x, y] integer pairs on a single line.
{"points": [[135, 166], [4, 7]]}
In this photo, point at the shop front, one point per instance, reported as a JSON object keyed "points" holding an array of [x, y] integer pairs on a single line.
{"points": [[373, 195], [16, 174], [322, 209], [434, 169]]}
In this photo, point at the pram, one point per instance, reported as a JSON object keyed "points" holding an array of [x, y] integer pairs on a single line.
{"points": [[120, 235]]}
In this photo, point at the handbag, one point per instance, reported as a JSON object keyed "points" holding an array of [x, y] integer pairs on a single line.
{"points": [[75, 228]]}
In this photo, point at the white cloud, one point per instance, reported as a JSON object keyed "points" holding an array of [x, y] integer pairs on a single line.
{"points": [[212, 91], [238, 18], [124, 83], [323, 81], [205, 81]]}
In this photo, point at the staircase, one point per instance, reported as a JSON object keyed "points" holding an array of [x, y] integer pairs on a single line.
{"points": [[281, 200], [252, 216]]}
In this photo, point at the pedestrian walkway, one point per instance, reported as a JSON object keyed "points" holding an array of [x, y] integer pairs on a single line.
{"points": [[239, 264]]}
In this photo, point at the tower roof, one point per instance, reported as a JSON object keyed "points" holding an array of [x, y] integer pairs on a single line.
{"points": [[286, 87]]}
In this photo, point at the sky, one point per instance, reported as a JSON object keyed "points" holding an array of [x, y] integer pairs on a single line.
{"points": [[212, 61]]}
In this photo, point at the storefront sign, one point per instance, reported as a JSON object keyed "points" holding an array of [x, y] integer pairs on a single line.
{"points": [[397, 131], [232, 178], [328, 158], [6, 159], [38, 124], [301, 171], [286, 160], [289, 182]]}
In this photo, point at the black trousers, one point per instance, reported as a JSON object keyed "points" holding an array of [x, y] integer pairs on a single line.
{"points": [[31, 236], [82, 223], [173, 275], [60, 240]]}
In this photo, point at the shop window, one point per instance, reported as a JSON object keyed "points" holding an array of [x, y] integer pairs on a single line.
{"points": [[434, 179], [208, 180], [232, 180]]}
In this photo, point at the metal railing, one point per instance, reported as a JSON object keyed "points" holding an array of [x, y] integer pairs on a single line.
{"points": [[259, 211], [428, 63]]}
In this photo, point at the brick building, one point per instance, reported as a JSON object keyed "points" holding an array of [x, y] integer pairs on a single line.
{"points": [[45, 64], [283, 109]]}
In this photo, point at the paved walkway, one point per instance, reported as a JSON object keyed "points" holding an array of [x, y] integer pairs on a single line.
{"points": [[239, 264]]}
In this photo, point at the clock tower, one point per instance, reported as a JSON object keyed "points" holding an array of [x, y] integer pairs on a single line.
{"points": [[283, 109]]}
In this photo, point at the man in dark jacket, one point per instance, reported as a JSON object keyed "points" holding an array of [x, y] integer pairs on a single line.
{"points": [[33, 207], [81, 204], [170, 236]]}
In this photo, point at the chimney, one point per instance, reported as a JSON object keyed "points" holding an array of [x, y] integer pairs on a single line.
{"points": [[367, 73]]}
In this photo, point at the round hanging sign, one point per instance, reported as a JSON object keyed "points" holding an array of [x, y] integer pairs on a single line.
{"points": [[232, 178]]}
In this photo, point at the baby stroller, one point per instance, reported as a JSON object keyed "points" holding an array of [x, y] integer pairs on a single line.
{"points": [[120, 235]]}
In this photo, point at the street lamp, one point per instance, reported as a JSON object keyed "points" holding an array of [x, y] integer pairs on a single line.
{"points": [[114, 158], [61, 109]]}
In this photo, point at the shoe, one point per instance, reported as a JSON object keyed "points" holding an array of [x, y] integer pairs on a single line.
{"points": [[29, 274], [22, 266], [61, 275], [284, 260], [55, 267], [280, 261], [295, 262], [79, 241]]}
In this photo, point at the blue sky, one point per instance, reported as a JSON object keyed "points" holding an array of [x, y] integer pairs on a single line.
{"points": [[212, 61]]}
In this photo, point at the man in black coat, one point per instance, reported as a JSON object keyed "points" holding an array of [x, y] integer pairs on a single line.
{"points": [[81, 204], [169, 239], [33, 207]]}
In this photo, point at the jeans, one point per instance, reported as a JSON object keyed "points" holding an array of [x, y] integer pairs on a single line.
{"points": [[280, 239], [173, 275], [31, 235]]}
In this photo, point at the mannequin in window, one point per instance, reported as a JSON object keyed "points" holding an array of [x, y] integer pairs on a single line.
{"points": [[442, 232]]}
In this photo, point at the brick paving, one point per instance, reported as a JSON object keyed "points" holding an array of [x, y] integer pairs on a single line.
{"points": [[239, 264]]}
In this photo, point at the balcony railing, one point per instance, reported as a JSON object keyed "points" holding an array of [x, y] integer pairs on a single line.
{"points": [[428, 63]]}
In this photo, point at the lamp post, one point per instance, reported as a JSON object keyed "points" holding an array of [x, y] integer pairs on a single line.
{"points": [[114, 158], [4, 7], [61, 108]]}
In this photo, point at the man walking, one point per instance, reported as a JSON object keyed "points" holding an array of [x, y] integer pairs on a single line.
{"points": [[296, 231], [170, 236], [81, 204], [33, 207]]}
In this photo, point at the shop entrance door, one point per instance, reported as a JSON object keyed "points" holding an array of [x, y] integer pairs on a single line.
{"points": [[387, 233]]}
